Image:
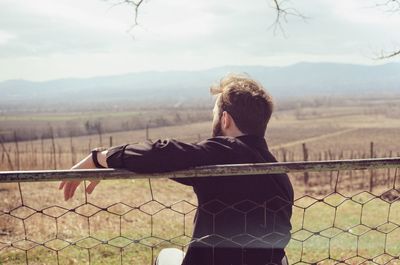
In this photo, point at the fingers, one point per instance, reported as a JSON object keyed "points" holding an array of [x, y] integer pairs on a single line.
{"points": [[61, 185], [71, 186], [69, 189], [92, 186]]}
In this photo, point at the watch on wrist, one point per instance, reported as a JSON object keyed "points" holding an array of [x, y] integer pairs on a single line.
{"points": [[94, 156]]}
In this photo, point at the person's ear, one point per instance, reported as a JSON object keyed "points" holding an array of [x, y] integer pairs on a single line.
{"points": [[226, 120]]}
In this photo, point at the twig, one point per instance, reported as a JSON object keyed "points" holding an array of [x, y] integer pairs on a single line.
{"points": [[136, 5], [386, 55], [282, 13]]}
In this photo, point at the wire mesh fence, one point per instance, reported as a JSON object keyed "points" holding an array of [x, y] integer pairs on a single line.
{"points": [[336, 219]]}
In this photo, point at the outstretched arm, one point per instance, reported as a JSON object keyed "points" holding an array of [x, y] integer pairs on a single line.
{"points": [[70, 186], [160, 156]]}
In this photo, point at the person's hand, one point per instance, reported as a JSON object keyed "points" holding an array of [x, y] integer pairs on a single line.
{"points": [[70, 187]]}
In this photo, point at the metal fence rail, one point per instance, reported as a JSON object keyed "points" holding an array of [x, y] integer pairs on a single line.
{"points": [[352, 227], [205, 171]]}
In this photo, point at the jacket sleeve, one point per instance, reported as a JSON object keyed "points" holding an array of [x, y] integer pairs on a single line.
{"points": [[169, 155]]}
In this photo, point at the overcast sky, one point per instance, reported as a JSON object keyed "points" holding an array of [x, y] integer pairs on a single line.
{"points": [[47, 39]]}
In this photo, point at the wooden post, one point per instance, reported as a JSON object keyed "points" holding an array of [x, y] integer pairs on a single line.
{"points": [[59, 154], [2, 157], [16, 151], [42, 151], [34, 154], [371, 179], [111, 141], [305, 158], [53, 145], [147, 131], [331, 157], [7, 154], [72, 151], [388, 171], [284, 155], [351, 171]]}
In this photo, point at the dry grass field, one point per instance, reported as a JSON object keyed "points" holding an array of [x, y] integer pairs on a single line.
{"points": [[339, 225]]}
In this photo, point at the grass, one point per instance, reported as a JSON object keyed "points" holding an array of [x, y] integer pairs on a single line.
{"points": [[333, 226]]}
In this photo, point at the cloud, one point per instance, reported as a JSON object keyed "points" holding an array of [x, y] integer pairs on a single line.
{"points": [[5, 37], [45, 39]]}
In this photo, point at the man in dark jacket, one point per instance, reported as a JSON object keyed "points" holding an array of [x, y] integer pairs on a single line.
{"points": [[240, 219]]}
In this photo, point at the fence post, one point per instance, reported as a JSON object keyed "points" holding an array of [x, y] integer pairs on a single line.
{"points": [[388, 171], [305, 158], [371, 178], [53, 145], [6, 152], [16, 151], [42, 150], [284, 155], [72, 150]]}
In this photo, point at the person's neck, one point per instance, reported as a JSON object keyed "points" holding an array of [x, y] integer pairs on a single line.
{"points": [[234, 133]]}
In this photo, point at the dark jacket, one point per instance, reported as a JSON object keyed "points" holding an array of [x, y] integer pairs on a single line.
{"points": [[240, 219]]}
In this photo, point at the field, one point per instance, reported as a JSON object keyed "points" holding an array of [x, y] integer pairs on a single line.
{"points": [[339, 226]]}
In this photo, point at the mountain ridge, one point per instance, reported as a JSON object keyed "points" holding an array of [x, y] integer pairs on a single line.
{"points": [[296, 80]]}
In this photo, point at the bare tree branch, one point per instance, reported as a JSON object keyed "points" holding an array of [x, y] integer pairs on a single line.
{"points": [[136, 5], [282, 14], [283, 11], [386, 55], [391, 6]]}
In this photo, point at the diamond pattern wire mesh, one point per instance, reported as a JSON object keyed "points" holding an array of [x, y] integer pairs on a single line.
{"points": [[336, 220]]}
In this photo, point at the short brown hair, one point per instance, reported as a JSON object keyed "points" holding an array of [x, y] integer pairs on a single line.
{"points": [[246, 101]]}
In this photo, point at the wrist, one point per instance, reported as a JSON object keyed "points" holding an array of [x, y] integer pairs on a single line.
{"points": [[99, 163], [86, 163]]}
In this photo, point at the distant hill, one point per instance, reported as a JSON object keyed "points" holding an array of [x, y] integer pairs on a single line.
{"points": [[298, 80]]}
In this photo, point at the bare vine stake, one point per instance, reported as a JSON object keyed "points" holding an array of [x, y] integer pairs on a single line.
{"points": [[371, 179], [16, 151], [6, 152], [72, 150], [34, 154], [53, 145], [42, 150], [59, 154], [388, 171], [305, 158]]}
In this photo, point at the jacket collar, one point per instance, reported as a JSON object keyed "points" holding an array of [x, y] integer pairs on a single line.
{"points": [[253, 140]]}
